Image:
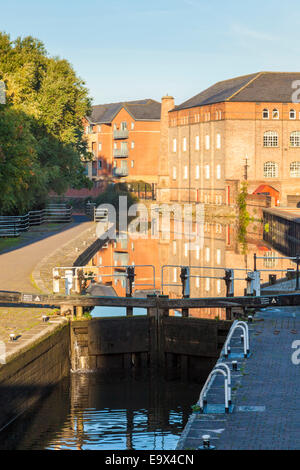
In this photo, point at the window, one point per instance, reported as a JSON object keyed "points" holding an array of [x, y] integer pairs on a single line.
{"points": [[218, 172], [197, 251], [218, 253], [275, 114], [174, 247], [207, 172], [184, 144], [132, 126], [270, 139], [270, 170], [265, 114], [123, 126], [115, 145], [174, 145], [185, 173], [99, 128], [174, 274], [295, 169], [207, 254], [207, 142], [132, 144], [186, 249], [292, 114], [218, 286], [132, 163], [197, 281], [100, 146], [295, 139], [207, 284], [197, 143], [197, 172], [99, 164], [218, 143], [218, 200], [174, 173]]}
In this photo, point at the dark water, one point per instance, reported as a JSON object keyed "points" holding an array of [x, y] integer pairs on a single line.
{"points": [[88, 411]]}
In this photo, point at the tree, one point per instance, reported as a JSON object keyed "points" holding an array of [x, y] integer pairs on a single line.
{"points": [[48, 100]]}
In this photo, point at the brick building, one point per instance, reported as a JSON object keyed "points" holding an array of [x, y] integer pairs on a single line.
{"points": [[243, 128], [124, 139]]}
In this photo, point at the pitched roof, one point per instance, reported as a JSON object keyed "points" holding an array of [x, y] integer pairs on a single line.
{"points": [[140, 110], [273, 87]]}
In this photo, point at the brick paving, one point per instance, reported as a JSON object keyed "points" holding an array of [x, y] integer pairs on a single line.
{"points": [[268, 381]]}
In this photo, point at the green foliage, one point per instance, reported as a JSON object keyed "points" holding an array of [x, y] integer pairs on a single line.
{"points": [[244, 217], [41, 133], [112, 194]]}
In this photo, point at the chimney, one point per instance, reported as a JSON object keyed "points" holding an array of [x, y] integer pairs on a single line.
{"points": [[167, 103]]}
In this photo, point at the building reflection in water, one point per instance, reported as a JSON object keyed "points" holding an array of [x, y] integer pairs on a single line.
{"points": [[216, 247]]}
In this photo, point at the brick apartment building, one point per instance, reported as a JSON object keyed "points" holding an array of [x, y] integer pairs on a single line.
{"points": [[243, 128], [124, 139]]}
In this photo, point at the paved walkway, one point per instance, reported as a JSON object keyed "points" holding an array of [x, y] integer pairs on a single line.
{"points": [[266, 391], [17, 265], [16, 273]]}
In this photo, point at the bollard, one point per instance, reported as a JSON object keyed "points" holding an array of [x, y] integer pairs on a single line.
{"points": [[206, 445], [185, 280], [234, 365], [229, 282]]}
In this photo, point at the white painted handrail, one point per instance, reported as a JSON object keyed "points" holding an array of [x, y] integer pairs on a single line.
{"points": [[244, 327], [222, 364], [214, 372]]}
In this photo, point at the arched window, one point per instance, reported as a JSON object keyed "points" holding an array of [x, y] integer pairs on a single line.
{"points": [[295, 169], [295, 139], [270, 170], [270, 139], [275, 114], [292, 114], [265, 114]]}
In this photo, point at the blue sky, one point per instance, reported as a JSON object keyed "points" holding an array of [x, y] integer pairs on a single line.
{"points": [[132, 49]]}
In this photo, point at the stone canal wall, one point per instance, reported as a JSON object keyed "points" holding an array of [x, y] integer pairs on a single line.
{"points": [[31, 371], [188, 347]]}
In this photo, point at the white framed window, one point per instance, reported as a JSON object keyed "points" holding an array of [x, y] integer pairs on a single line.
{"points": [[218, 256], [174, 274], [218, 286], [184, 144], [207, 254], [197, 142], [115, 145], [207, 142], [99, 128], [174, 145], [132, 126], [218, 172], [218, 142], [197, 251], [132, 144], [197, 175], [100, 146], [197, 282], [207, 172], [270, 139], [219, 200], [174, 172], [275, 114], [132, 163], [186, 249], [292, 114], [295, 139], [174, 247], [295, 169], [185, 172], [270, 170], [265, 114], [207, 284]]}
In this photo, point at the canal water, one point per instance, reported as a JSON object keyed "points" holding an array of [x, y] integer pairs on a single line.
{"points": [[92, 412], [89, 411]]}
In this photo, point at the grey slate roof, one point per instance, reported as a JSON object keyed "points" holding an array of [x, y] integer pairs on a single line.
{"points": [[273, 87], [140, 110]]}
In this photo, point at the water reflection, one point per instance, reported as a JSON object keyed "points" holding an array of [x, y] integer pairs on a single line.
{"points": [[86, 411], [216, 247]]}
